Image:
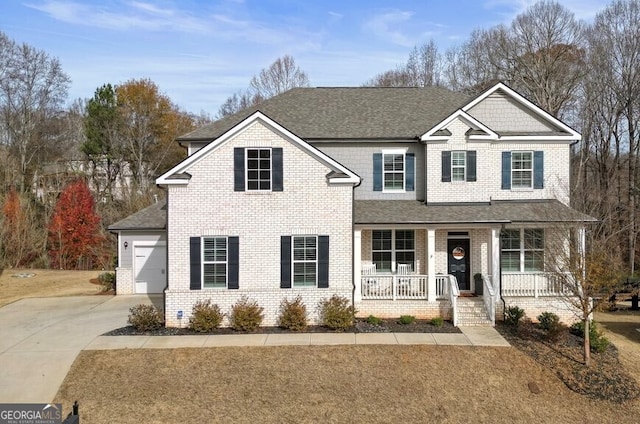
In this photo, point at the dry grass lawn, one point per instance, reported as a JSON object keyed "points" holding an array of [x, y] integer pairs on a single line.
{"points": [[621, 327], [46, 283], [359, 384]]}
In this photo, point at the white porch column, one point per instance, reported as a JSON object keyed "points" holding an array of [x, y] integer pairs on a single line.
{"points": [[431, 265], [581, 235], [357, 264], [495, 259]]}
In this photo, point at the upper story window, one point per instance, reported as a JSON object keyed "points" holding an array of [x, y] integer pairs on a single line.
{"points": [[258, 169], [458, 165], [394, 171], [522, 170]]}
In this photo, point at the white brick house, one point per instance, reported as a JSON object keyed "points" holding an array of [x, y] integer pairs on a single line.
{"points": [[392, 197]]}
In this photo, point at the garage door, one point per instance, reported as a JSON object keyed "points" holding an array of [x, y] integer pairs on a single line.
{"points": [[150, 267]]}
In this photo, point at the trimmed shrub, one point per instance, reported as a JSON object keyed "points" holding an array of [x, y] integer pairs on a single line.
{"points": [[374, 320], [145, 317], [437, 321], [108, 281], [246, 315], [336, 313], [407, 319], [205, 317], [550, 323], [293, 315], [513, 315], [597, 341]]}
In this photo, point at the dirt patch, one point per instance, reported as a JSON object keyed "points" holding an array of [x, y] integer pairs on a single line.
{"points": [[16, 284], [300, 384]]}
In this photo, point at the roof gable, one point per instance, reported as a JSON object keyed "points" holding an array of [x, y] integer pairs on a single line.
{"points": [[179, 175], [477, 130]]}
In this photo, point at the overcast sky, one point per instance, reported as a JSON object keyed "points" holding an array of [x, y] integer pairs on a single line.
{"points": [[201, 52]]}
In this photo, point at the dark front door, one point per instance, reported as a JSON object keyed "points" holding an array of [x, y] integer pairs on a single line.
{"points": [[458, 261]]}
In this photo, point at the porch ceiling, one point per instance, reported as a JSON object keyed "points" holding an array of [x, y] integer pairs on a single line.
{"points": [[414, 212]]}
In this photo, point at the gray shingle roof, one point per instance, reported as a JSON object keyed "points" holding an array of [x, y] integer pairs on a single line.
{"points": [[152, 217], [349, 112], [414, 212]]}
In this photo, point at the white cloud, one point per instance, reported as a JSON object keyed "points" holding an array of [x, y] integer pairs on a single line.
{"points": [[386, 26]]}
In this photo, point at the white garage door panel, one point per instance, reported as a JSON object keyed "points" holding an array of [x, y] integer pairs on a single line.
{"points": [[150, 263]]}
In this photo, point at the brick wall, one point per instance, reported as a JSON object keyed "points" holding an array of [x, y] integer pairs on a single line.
{"points": [[488, 185], [208, 206]]}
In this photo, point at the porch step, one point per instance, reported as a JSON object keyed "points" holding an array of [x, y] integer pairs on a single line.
{"points": [[471, 312]]}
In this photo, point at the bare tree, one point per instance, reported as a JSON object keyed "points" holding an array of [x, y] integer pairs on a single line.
{"points": [[32, 90], [398, 77], [282, 75]]}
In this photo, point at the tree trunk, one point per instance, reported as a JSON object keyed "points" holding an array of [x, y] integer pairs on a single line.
{"points": [[587, 343]]}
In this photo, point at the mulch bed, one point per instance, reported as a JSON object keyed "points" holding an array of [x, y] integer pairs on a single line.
{"points": [[361, 326], [605, 379]]}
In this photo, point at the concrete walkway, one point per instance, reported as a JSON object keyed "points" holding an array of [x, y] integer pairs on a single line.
{"points": [[471, 336], [40, 338]]}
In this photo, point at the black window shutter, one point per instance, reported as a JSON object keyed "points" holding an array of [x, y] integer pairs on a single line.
{"points": [[195, 279], [506, 170], [446, 166], [471, 165], [285, 262], [323, 262], [538, 169], [238, 169], [377, 172], [276, 163], [410, 171], [233, 262]]}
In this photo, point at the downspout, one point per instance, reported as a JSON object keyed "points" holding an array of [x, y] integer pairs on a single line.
{"points": [[353, 262], [424, 168], [504, 303]]}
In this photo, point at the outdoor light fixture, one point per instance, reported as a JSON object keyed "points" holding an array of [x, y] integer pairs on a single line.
{"points": [[126, 244]]}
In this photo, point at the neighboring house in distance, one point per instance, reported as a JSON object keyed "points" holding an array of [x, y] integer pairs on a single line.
{"points": [[392, 197]]}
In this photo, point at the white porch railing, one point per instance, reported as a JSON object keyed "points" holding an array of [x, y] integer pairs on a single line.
{"points": [[453, 291], [489, 297], [532, 284], [402, 287]]}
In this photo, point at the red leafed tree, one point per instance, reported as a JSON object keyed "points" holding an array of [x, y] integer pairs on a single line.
{"points": [[75, 235]]}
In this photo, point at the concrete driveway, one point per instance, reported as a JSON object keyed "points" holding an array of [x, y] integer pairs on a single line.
{"points": [[40, 338]]}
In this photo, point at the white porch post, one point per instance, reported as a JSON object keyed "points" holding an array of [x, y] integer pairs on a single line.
{"points": [[582, 248], [431, 264], [357, 264], [495, 259]]}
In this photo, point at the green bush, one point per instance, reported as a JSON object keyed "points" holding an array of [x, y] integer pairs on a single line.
{"points": [[597, 341], [514, 315], [145, 317], [205, 317], [374, 320], [108, 281], [407, 319], [437, 321], [336, 313], [246, 315], [550, 323], [293, 315]]}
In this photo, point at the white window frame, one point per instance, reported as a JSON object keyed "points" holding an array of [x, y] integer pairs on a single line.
{"points": [[521, 170], [462, 166], [259, 180], [308, 261], [394, 250], [524, 249], [205, 262], [394, 152]]}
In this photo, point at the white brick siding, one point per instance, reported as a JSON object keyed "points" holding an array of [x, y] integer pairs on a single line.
{"points": [[394, 309], [208, 206], [124, 281], [535, 306], [488, 185]]}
